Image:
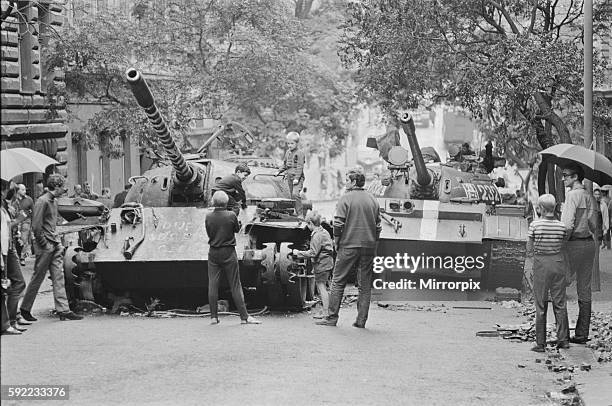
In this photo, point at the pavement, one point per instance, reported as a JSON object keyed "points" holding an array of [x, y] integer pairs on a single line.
{"points": [[595, 387], [427, 355]]}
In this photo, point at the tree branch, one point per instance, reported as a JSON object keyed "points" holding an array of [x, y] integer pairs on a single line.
{"points": [[507, 16]]}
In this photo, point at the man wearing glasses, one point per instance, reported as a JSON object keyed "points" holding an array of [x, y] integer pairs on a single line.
{"points": [[579, 216]]}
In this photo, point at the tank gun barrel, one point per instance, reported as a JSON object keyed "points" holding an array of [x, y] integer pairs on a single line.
{"points": [[140, 89], [423, 176]]}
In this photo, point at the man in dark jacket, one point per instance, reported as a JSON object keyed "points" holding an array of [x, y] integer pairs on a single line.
{"points": [[49, 253], [357, 227], [120, 197], [232, 186], [221, 225]]}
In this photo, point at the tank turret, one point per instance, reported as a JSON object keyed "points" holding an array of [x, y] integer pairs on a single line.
{"points": [[188, 180]]}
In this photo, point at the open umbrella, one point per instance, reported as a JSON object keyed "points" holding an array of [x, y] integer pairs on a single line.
{"points": [[596, 166], [17, 161]]}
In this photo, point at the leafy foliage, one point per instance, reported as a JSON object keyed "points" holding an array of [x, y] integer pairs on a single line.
{"points": [[514, 64], [244, 60]]}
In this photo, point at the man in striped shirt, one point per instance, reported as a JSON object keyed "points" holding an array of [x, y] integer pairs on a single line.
{"points": [[546, 239]]}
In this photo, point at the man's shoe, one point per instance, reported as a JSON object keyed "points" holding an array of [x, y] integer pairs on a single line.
{"points": [[11, 332], [23, 322], [538, 348], [69, 316], [319, 316], [578, 340], [326, 322], [250, 320], [14, 325], [563, 345], [358, 325], [214, 321], [27, 315]]}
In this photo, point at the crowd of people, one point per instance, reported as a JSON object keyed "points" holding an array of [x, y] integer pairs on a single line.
{"points": [[29, 227], [561, 247], [41, 219], [106, 197]]}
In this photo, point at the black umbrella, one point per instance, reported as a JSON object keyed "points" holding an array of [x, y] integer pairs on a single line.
{"points": [[596, 166]]}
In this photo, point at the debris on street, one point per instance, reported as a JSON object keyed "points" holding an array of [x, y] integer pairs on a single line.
{"points": [[601, 336], [412, 307]]}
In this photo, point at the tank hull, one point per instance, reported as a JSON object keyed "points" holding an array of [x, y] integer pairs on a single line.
{"points": [[448, 242]]}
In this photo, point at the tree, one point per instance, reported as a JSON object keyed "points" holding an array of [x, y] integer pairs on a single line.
{"points": [[244, 60], [514, 64]]}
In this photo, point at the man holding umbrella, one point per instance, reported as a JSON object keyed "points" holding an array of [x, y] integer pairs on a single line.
{"points": [[579, 216]]}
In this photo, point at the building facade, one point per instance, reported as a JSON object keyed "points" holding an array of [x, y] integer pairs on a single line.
{"points": [[30, 117]]}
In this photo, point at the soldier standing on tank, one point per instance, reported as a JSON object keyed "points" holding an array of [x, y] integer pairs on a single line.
{"points": [[232, 186], [221, 227], [293, 167], [357, 227]]}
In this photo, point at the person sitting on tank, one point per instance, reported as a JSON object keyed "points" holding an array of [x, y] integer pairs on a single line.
{"points": [[87, 193], [321, 254], [77, 191], [120, 197], [293, 168], [221, 227], [232, 186]]}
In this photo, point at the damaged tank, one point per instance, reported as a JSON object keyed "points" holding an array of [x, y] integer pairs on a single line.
{"points": [[156, 246], [449, 218]]}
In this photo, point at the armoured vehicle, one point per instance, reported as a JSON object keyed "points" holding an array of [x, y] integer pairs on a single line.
{"points": [[155, 245], [448, 217]]}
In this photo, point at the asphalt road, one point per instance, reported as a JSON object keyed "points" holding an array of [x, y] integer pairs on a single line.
{"points": [[403, 357]]}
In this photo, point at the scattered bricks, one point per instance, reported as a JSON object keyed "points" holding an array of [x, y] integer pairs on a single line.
{"points": [[585, 367], [538, 360], [548, 362], [569, 389], [502, 294], [521, 365], [570, 369]]}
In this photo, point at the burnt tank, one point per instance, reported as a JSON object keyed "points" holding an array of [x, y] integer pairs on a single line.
{"points": [[156, 246], [450, 217]]}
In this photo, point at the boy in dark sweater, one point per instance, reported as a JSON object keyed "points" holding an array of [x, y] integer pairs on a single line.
{"points": [[221, 225]]}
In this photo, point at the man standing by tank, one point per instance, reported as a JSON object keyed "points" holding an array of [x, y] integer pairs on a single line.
{"points": [[232, 186], [11, 270], [579, 216], [293, 167], [49, 251], [221, 227], [357, 227]]}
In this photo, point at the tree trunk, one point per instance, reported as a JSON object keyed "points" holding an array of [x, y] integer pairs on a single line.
{"points": [[302, 8], [299, 5], [550, 116]]}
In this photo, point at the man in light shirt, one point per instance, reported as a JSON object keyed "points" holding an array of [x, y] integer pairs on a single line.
{"points": [[579, 216]]}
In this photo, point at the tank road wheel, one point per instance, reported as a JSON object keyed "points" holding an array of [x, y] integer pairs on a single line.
{"points": [[271, 287], [69, 267], [295, 287]]}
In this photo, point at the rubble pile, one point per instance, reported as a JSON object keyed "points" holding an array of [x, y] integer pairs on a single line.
{"points": [[601, 336]]}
